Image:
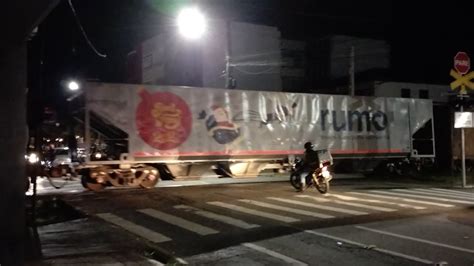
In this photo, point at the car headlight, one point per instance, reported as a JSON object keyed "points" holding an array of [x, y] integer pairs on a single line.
{"points": [[33, 158]]}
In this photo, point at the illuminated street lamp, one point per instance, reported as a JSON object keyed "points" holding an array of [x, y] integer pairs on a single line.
{"points": [[73, 85], [191, 23]]}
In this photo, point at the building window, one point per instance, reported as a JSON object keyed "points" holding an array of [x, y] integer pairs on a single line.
{"points": [[406, 93], [424, 94]]}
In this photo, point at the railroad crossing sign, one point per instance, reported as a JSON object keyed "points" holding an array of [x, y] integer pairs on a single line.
{"points": [[462, 64]]}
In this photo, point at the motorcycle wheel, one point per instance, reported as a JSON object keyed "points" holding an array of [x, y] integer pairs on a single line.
{"points": [[295, 181], [322, 185]]}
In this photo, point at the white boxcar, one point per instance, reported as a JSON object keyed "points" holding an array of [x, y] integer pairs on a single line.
{"points": [[188, 130]]}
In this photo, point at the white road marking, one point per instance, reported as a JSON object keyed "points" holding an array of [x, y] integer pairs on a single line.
{"points": [[453, 191], [416, 239], [329, 208], [272, 253], [152, 262], [404, 199], [350, 198], [381, 250], [218, 217], [268, 215], [181, 261], [435, 193], [287, 209], [421, 197], [174, 220], [310, 205], [134, 228], [365, 206]]}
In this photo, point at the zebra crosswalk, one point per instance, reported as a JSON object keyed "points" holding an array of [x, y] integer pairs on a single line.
{"points": [[218, 217], [254, 212], [134, 228], [215, 217], [394, 197], [190, 226], [348, 198], [286, 209]]}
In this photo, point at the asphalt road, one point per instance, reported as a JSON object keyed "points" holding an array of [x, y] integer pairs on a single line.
{"points": [[358, 223]]}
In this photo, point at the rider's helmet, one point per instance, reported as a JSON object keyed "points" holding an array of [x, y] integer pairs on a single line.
{"points": [[308, 145]]}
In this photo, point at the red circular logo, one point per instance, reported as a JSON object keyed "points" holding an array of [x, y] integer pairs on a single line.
{"points": [[163, 120]]}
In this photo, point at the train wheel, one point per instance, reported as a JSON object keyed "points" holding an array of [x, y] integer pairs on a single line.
{"points": [[91, 184], [117, 179], [150, 180], [95, 187]]}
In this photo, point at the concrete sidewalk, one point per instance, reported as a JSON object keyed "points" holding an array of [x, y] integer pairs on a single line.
{"points": [[101, 259], [90, 242]]}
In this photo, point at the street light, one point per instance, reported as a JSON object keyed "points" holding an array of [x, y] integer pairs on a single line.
{"points": [[73, 85], [75, 88], [191, 23]]}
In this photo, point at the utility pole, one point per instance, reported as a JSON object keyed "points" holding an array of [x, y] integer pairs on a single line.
{"points": [[352, 72], [229, 80]]}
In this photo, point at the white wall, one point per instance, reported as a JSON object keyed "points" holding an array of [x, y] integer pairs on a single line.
{"points": [[438, 93], [255, 49]]}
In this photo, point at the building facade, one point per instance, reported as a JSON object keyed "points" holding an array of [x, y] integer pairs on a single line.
{"points": [[169, 59]]}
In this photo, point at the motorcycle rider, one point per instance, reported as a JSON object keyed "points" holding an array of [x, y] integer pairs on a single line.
{"points": [[310, 162]]}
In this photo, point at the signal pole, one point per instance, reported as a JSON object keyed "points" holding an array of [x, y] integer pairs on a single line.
{"points": [[352, 72]]}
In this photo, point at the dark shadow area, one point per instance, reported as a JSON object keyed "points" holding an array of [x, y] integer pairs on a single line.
{"points": [[42, 211]]}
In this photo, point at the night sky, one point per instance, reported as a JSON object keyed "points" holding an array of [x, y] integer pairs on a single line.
{"points": [[423, 37]]}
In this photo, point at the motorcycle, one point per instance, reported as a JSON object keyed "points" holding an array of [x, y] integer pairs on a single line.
{"points": [[319, 178], [36, 167]]}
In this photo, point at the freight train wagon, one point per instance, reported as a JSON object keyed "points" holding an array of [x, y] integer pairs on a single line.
{"points": [[176, 132]]}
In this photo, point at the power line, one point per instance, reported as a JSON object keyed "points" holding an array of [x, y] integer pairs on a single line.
{"points": [[241, 57], [266, 71], [83, 31], [258, 63]]}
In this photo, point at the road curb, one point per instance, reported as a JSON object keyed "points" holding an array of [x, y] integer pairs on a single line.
{"points": [[161, 255]]}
